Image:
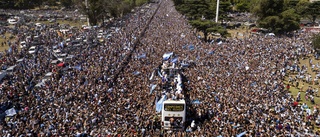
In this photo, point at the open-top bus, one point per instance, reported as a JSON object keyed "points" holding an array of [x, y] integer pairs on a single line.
{"points": [[173, 111]]}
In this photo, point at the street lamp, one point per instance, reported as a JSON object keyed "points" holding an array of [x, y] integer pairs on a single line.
{"points": [[217, 12]]}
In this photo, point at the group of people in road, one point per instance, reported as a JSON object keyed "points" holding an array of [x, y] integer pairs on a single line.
{"points": [[105, 89]]}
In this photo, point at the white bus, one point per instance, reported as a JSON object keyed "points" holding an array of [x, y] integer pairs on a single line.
{"points": [[173, 115]]}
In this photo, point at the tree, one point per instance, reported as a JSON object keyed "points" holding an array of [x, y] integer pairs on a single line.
{"points": [[207, 26], [316, 42], [242, 6], [95, 11], [66, 3], [313, 11], [290, 20], [277, 16], [195, 9]]}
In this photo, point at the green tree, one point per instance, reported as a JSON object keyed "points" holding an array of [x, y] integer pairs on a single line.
{"points": [[95, 11], [313, 11], [66, 3], [207, 26], [195, 9], [243, 6], [316, 42], [290, 20], [277, 16]]}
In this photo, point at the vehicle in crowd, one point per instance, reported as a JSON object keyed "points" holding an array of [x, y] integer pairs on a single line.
{"points": [[2, 74], [11, 69], [69, 58], [173, 115], [61, 56], [56, 51], [14, 20], [44, 79], [55, 62], [23, 44], [173, 109], [32, 49]]}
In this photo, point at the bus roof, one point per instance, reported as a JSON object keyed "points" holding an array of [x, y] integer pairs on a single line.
{"points": [[174, 101]]}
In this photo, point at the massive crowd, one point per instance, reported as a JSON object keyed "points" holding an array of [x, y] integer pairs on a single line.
{"points": [[239, 82]]}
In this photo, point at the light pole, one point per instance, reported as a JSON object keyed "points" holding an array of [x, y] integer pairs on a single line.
{"points": [[87, 8], [217, 12]]}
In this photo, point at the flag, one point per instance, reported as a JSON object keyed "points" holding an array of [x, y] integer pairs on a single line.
{"points": [[159, 73], [211, 52], [78, 67], [151, 77], [136, 73], [174, 60], [11, 112], [142, 56], [153, 86], [10, 49], [166, 56], [160, 103], [196, 101], [184, 64], [242, 134], [191, 47]]}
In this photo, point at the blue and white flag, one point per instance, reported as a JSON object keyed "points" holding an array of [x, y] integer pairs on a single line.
{"points": [[160, 103], [242, 134], [191, 47], [78, 67], [184, 64], [153, 86], [159, 73], [151, 77], [142, 56], [136, 73], [11, 112], [10, 49], [175, 60], [166, 56], [196, 101]]}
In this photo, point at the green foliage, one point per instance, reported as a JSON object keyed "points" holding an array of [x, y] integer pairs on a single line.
{"points": [[316, 42], [313, 10], [243, 6], [277, 15], [66, 3], [195, 9], [207, 26], [290, 20]]}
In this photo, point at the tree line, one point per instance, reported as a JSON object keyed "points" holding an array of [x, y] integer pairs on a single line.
{"points": [[278, 16]]}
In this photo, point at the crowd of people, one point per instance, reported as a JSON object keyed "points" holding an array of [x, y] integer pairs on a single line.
{"points": [[238, 82]]}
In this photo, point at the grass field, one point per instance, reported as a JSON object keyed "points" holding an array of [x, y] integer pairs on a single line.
{"points": [[2, 39], [304, 86], [77, 24], [294, 90]]}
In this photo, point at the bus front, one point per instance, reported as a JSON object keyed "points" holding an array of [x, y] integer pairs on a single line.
{"points": [[173, 115]]}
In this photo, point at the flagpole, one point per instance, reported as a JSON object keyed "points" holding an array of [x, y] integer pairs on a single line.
{"points": [[217, 11]]}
